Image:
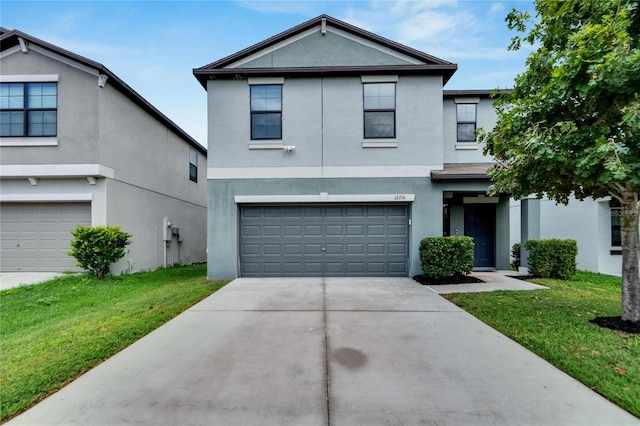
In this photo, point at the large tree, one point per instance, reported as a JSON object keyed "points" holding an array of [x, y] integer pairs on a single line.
{"points": [[571, 124]]}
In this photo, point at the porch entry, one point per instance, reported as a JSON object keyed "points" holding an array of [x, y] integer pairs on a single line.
{"points": [[480, 224]]}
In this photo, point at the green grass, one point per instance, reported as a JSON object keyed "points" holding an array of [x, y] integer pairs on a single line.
{"points": [[56, 331], [555, 325]]}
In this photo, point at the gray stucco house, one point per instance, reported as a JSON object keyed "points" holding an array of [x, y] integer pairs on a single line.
{"points": [[79, 146], [337, 151]]}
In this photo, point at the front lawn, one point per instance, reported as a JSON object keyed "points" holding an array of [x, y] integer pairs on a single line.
{"points": [[54, 332], [555, 325]]}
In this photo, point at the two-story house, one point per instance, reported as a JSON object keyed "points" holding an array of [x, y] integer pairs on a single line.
{"points": [[337, 151], [79, 146]]}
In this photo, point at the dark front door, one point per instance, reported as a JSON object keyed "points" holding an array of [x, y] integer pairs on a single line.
{"points": [[480, 223]]}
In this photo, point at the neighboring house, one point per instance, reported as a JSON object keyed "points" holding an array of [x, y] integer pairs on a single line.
{"points": [[594, 224], [337, 151], [79, 146]]}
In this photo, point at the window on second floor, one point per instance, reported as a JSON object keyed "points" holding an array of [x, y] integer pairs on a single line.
{"points": [[266, 111], [466, 121], [379, 110], [193, 165], [28, 109]]}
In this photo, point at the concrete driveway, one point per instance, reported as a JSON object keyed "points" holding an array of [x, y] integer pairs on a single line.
{"points": [[316, 351]]}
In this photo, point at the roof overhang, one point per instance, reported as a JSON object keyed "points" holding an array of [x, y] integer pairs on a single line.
{"points": [[242, 73], [456, 172]]}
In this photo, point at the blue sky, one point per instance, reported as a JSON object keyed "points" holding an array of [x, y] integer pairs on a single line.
{"points": [[154, 45]]}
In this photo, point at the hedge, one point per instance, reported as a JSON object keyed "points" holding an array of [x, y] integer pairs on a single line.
{"points": [[446, 256], [552, 258]]}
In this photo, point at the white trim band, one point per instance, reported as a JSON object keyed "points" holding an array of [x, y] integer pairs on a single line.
{"points": [[55, 170], [319, 172], [35, 198], [324, 198], [29, 78], [265, 80], [30, 141], [379, 78]]}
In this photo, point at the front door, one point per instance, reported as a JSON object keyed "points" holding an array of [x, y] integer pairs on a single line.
{"points": [[480, 224]]}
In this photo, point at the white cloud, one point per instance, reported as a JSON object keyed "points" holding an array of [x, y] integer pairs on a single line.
{"points": [[496, 7]]}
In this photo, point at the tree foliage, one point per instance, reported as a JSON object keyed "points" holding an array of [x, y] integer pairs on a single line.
{"points": [[96, 248], [571, 124]]}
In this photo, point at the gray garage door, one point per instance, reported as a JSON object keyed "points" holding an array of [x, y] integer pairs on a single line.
{"points": [[35, 237], [354, 240]]}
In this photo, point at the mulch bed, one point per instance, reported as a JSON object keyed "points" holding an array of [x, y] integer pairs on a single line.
{"points": [[521, 277], [616, 323], [464, 279]]}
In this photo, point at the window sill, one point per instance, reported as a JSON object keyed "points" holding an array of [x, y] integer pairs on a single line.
{"points": [[271, 145], [467, 146], [380, 144], [29, 141]]}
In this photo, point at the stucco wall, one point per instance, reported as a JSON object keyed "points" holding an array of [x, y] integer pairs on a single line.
{"points": [[144, 152], [77, 109], [588, 222], [332, 49], [141, 213], [426, 211], [466, 152], [149, 163], [323, 119]]}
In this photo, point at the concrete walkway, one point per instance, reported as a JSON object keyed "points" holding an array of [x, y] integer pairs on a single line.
{"points": [[333, 351], [493, 280], [16, 279]]}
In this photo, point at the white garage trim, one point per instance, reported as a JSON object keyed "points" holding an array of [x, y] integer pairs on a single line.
{"points": [[35, 198], [324, 198]]}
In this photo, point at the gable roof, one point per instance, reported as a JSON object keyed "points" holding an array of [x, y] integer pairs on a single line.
{"points": [[12, 38], [429, 65]]}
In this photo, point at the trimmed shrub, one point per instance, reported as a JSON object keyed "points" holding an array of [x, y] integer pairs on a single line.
{"points": [[515, 254], [446, 256], [552, 258], [96, 248]]}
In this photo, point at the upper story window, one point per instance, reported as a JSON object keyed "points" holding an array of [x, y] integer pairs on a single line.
{"points": [[379, 110], [28, 109], [466, 119], [193, 165], [266, 111]]}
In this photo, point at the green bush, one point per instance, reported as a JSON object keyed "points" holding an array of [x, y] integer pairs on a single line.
{"points": [[515, 253], [552, 258], [96, 248], [446, 256]]}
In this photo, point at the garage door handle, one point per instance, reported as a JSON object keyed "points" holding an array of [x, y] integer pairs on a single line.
{"points": [[324, 249]]}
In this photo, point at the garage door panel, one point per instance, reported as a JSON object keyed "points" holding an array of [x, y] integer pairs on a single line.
{"points": [[375, 268], [250, 231], [398, 249], [292, 230], [313, 230], [292, 249], [324, 240], [375, 230], [36, 237], [398, 268]]}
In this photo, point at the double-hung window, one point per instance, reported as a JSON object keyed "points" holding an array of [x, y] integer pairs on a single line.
{"points": [[193, 165], [616, 229], [266, 111], [466, 119], [379, 110], [28, 109]]}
